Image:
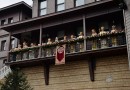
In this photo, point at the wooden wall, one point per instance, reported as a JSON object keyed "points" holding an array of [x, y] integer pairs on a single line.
{"points": [[111, 74]]}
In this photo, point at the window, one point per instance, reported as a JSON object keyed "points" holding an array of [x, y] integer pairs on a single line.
{"points": [[10, 20], [43, 7], [60, 5], [3, 22], [79, 2], [3, 45], [12, 43]]}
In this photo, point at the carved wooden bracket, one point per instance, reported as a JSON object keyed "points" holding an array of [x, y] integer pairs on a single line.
{"points": [[92, 67], [46, 72]]}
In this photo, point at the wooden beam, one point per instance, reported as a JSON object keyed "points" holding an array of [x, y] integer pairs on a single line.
{"points": [[46, 72], [9, 41], [92, 67], [40, 41], [84, 31]]}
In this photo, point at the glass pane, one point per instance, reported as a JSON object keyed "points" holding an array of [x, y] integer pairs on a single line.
{"points": [[43, 4], [61, 7], [5, 46], [60, 1], [79, 2], [42, 12]]}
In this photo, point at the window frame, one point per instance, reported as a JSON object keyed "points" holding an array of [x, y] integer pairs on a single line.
{"points": [[3, 22], [44, 8], [10, 19], [59, 4], [3, 45], [75, 4]]}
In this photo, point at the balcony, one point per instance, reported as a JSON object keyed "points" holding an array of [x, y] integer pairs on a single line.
{"points": [[76, 47], [107, 44]]}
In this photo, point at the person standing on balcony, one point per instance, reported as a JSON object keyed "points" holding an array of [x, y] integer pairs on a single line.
{"points": [[72, 46], [48, 50], [25, 54], [94, 41], [54, 48], [32, 52], [18, 56], [81, 44], [103, 41], [114, 38], [25, 45]]}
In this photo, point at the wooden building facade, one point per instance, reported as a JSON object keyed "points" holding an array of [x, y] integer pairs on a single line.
{"points": [[10, 14], [96, 35]]}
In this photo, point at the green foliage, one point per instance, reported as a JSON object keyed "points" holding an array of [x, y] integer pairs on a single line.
{"points": [[15, 80]]}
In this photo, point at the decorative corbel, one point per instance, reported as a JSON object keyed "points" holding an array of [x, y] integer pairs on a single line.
{"points": [[92, 67], [46, 72]]}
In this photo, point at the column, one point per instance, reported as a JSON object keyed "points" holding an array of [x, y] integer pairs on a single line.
{"points": [[84, 30]]}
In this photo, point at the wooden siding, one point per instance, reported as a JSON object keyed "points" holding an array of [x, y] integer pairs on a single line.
{"points": [[74, 75]]}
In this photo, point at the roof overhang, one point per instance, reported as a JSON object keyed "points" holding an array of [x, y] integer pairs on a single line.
{"points": [[15, 6]]}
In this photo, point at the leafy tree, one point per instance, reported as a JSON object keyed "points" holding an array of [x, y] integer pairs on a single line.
{"points": [[15, 80]]}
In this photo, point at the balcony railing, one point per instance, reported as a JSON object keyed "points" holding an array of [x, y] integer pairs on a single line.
{"points": [[98, 42]]}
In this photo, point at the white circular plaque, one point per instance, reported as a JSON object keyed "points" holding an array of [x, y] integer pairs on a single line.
{"points": [[109, 79]]}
